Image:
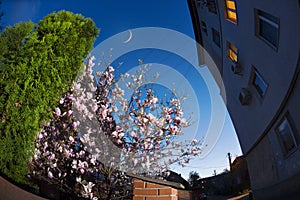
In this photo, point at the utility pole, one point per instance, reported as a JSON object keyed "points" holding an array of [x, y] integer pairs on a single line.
{"points": [[229, 159]]}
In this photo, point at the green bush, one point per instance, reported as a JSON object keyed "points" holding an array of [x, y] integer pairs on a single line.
{"points": [[37, 65]]}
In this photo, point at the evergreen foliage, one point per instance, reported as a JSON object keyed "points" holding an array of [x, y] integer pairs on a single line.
{"points": [[38, 64], [11, 41], [194, 179]]}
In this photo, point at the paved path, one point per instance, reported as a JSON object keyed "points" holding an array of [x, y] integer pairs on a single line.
{"points": [[9, 191], [240, 197]]}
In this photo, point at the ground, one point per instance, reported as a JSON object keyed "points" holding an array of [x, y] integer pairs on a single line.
{"points": [[239, 197]]}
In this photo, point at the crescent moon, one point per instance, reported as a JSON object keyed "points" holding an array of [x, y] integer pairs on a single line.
{"points": [[130, 36]]}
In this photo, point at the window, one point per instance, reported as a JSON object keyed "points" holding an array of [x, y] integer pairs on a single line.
{"points": [[267, 28], [203, 27], [259, 83], [211, 5], [230, 10], [232, 52], [288, 138], [200, 3], [216, 37]]}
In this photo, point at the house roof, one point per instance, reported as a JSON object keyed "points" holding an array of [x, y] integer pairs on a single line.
{"points": [[177, 178]]}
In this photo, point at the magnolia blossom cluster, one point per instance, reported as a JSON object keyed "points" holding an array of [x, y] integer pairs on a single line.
{"points": [[60, 158], [143, 126]]}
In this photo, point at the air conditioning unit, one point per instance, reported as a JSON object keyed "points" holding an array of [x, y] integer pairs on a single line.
{"points": [[236, 68], [245, 96]]}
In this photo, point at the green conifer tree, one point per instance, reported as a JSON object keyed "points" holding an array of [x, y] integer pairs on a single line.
{"points": [[37, 65]]}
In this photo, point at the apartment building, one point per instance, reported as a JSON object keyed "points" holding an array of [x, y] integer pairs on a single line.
{"points": [[256, 47]]}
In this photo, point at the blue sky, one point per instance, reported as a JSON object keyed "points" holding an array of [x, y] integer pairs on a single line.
{"points": [[113, 17]]}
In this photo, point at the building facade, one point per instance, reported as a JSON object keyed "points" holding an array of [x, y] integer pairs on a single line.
{"points": [[240, 180], [256, 46]]}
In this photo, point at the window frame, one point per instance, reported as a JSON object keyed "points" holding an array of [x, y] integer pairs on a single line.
{"points": [[203, 27], [255, 74], [227, 9], [292, 134], [231, 48], [267, 19], [214, 33], [212, 6]]}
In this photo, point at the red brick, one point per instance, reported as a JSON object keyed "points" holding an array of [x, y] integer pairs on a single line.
{"points": [[145, 192], [138, 198], [167, 191], [162, 198], [139, 184], [184, 194]]}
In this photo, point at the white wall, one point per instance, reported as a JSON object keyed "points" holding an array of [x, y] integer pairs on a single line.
{"points": [[255, 123], [277, 67]]}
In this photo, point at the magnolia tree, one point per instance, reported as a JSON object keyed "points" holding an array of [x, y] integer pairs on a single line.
{"points": [[60, 158], [99, 134]]}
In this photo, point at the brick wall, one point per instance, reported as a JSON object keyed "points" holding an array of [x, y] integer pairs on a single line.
{"points": [[144, 190], [184, 195]]}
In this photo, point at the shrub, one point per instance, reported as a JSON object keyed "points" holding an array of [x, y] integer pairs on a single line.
{"points": [[35, 71]]}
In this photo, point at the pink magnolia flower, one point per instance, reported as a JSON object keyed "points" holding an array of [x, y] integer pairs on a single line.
{"points": [[60, 149], [93, 160], [78, 179], [82, 171], [71, 139], [121, 135], [76, 124], [45, 145], [57, 112], [174, 102], [168, 117], [61, 101], [89, 95], [194, 142], [40, 136], [183, 122], [174, 129], [115, 134], [179, 113], [160, 132], [119, 141], [177, 120], [53, 165], [110, 69], [154, 100], [50, 175], [74, 164], [88, 187], [77, 86], [70, 112], [52, 156]]}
